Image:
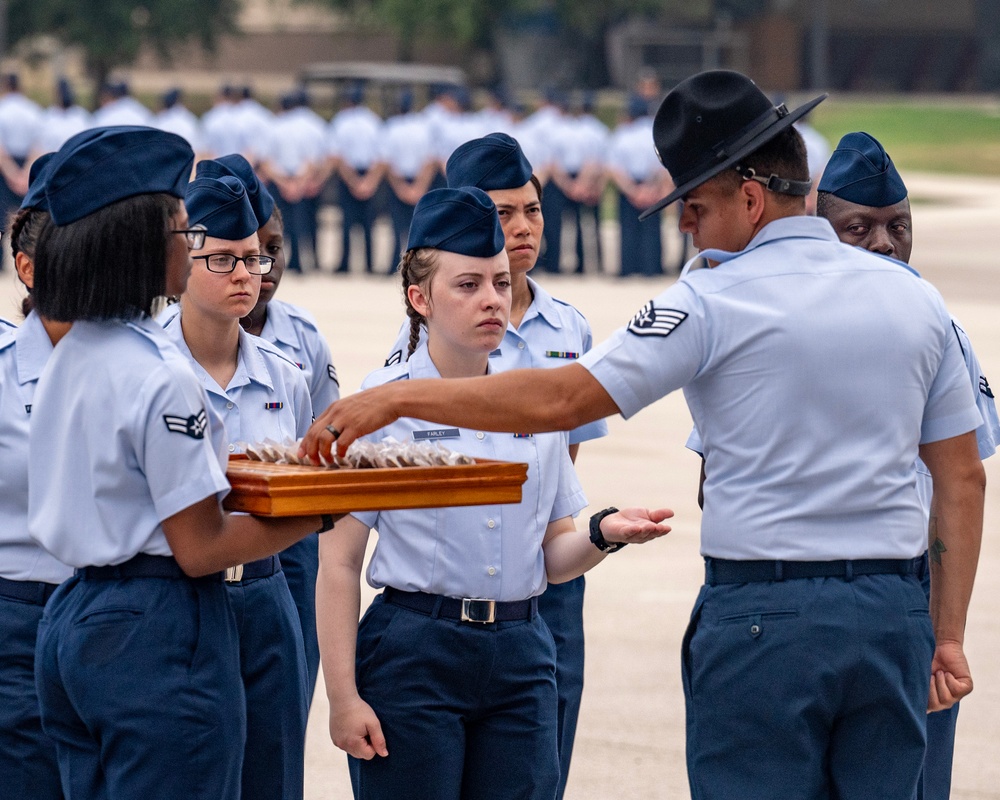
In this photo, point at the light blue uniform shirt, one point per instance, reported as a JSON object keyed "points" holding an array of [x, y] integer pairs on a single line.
{"points": [[58, 125], [632, 153], [406, 144], [121, 438], [20, 124], [813, 370], [23, 353], [489, 551], [221, 131], [294, 331], [552, 334], [6, 325], [293, 142], [180, 120], [267, 397], [354, 135], [987, 434]]}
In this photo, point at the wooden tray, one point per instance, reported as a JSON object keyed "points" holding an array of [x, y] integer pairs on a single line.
{"points": [[283, 490]]}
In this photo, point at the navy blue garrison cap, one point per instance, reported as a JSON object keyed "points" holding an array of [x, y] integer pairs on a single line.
{"points": [[860, 171], [495, 161], [100, 166], [222, 206], [236, 165], [38, 177], [462, 221]]}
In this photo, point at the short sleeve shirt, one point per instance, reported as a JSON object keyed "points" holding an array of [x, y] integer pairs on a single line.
{"points": [[489, 551], [551, 334], [812, 370], [121, 439], [23, 353], [267, 397]]}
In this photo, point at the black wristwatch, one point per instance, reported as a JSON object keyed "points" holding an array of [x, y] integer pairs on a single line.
{"points": [[598, 538], [327, 523]]}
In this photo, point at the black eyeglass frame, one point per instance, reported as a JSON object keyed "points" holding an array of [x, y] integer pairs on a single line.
{"points": [[195, 236], [266, 262]]}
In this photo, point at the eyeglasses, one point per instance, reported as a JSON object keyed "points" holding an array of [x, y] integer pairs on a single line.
{"points": [[195, 236], [226, 262]]}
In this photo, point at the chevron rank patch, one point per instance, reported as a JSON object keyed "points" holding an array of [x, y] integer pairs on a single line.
{"points": [[653, 321], [332, 372], [193, 426], [984, 386], [395, 358]]}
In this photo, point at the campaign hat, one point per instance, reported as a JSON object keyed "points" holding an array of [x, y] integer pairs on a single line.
{"points": [[709, 122]]}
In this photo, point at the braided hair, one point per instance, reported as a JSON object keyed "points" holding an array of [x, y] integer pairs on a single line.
{"points": [[25, 224], [416, 269]]}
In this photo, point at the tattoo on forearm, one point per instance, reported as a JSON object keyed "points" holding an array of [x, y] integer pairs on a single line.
{"points": [[936, 549]]}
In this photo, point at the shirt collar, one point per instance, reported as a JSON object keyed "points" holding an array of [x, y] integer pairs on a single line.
{"points": [[798, 227], [542, 305], [278, 327], [33, 348], [421, 366]]}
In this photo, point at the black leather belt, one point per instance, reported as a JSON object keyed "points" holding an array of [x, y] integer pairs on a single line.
{"points": [[142, 565], [255, 569], [463, 609], [35, 592], [719, 570]]}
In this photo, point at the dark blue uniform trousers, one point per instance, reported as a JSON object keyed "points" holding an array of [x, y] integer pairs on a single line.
{"points": [[138, 682], [401, 214], [273, 668], [300, 563], [935, 779], [356, 212], [28, 766], [807, 688], [561, 606], [468, 709], [553, 205], [641, 243]]}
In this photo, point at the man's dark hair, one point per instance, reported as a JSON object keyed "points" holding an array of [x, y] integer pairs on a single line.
{"points": [[109, 265], [784, 156]]}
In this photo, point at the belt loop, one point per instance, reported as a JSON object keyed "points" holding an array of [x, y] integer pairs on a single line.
{"points": [[709, 571], [779, 571], [534, 608], [436, 611], [848, 571]]}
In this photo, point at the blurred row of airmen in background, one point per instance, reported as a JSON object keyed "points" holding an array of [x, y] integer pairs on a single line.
{"points": [[370, 166]]}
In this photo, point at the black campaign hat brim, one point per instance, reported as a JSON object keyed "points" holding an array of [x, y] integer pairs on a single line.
{"points": [[761, 139]]}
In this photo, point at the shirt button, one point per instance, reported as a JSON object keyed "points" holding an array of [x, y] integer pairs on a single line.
{"points": [[491, 524], [492, 570], [480, 435], [229, 405], [520, 345], [232, 448]]}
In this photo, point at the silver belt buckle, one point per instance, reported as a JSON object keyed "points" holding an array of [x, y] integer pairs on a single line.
{"points": [[477, 610], [234, 574]]}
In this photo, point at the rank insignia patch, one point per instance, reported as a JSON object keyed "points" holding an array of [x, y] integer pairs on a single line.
{"points": [[395, 358], [652, 321], [193, 426], [984, 386], [332, 372]]}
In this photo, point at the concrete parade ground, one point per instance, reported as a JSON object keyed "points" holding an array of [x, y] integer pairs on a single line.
{"points": [[630, 740]]}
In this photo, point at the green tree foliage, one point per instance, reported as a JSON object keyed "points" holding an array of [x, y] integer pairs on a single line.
{"points": [[113, 31], [473, 22]]}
